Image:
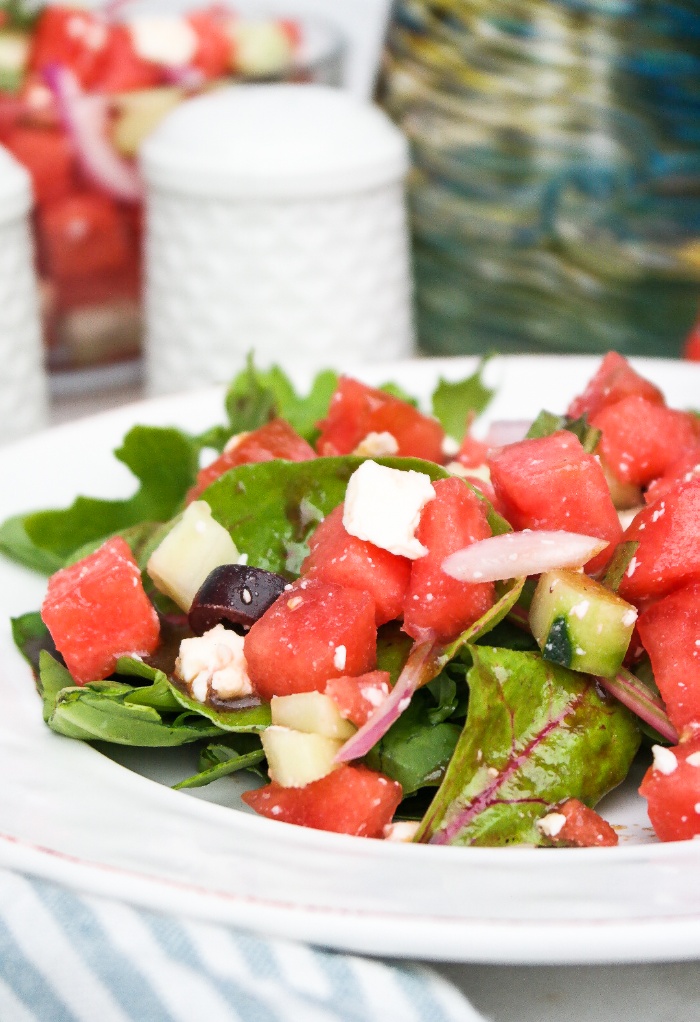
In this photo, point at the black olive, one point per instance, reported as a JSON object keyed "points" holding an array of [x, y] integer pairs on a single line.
{"points": [[234, 595]]}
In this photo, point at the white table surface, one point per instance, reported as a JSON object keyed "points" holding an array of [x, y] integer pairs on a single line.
{"points": [[618, 993]]}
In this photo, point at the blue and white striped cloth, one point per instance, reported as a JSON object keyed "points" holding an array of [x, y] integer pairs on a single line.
{"points": [[68, 957]]}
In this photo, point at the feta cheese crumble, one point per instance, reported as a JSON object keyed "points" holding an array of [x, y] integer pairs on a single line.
{"points": [[164, 40], [664, 760], [551, 824], [339, 657], [214, 664], [383, 506], [377, 445]]}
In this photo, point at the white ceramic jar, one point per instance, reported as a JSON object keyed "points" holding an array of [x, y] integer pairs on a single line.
{"points": [[23, 405], [276, 224]]}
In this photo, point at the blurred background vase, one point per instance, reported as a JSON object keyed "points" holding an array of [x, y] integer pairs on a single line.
{"points": [[555, 190]]}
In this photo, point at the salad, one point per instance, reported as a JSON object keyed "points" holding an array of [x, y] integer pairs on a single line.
{"points": [[399, 630], [79, 91]]}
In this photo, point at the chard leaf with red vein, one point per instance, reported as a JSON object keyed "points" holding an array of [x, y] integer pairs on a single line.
{"points": [[536, 734]]}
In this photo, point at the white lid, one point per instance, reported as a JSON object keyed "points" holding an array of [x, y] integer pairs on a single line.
{"points": [[275, 141], [15, 187]]}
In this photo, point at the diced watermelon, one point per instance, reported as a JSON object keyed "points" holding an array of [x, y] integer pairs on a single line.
{"points": [[552, 483], [72, 37], [670, 632], [583, 828], [121, 68], [671, 787], [356, 410], [276, 439], [213, 54], [336, 556], [437, 604], [358, 698], [682, 471], [48, 156], [350, 800], [641, 440], [97, 611], [316, 630], [614, 379], [668, 554], [82, 235]]}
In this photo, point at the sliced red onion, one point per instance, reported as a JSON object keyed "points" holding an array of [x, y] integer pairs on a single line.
{"points": [[506, 431], [415, 673], [521, 553], [84, 118], [188, 78]]}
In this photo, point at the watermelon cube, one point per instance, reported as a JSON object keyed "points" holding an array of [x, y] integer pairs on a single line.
{"points": [[670, 632], [668, 555], [357, 410], [97, 611], [314, 631], [437, 604], [614, 379], [552, 483], [336, 556], [350, 800], [358, 698], [671, 787], [641, 440]]}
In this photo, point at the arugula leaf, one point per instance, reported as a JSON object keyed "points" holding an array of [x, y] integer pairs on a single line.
{"points": [[219, 760], [536, 733], [265, 506], [52, 679], [393, 647], [454, 404], [255, 396], [547, 423], [31, 636], [619, 563], [165, 462]]}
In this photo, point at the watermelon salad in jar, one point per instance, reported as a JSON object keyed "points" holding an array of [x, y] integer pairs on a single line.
{"points": [[398, 628], [79, 90]]}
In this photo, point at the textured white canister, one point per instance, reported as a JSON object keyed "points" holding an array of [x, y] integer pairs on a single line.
{"points": [[276, 223], [23, 405]]}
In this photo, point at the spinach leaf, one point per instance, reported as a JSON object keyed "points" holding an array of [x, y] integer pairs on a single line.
{"points": [[536, 733], [415, 752], [105, 711], [16, 544], [31, 636], [270, 508], [454, 404], [164, 460], [253, 718]]}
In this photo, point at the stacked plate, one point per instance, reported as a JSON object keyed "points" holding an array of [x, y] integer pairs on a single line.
{"points": [[556, 181]]}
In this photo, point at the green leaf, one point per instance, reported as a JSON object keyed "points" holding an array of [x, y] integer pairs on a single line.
{"points": [[165, 462], [415, 752], [158, 694], [614, 573], [455, 404], [547, 423], [52, 679], [393, 647], [255, 396], [16, 544], [253, 718], [230, 763], [31, 636], [536, 734], [265, 506]]}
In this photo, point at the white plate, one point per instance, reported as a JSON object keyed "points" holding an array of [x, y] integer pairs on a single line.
{"points": [[71, 814]]}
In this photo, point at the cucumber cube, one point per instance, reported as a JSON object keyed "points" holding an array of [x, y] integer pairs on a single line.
{"points": [[580, 623]]}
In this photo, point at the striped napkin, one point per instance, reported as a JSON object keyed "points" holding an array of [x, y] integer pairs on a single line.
{"points": [[68, 957]]}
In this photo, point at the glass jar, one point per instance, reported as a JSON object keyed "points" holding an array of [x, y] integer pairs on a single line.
{"points": [[79, 91], [555, 189]]}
